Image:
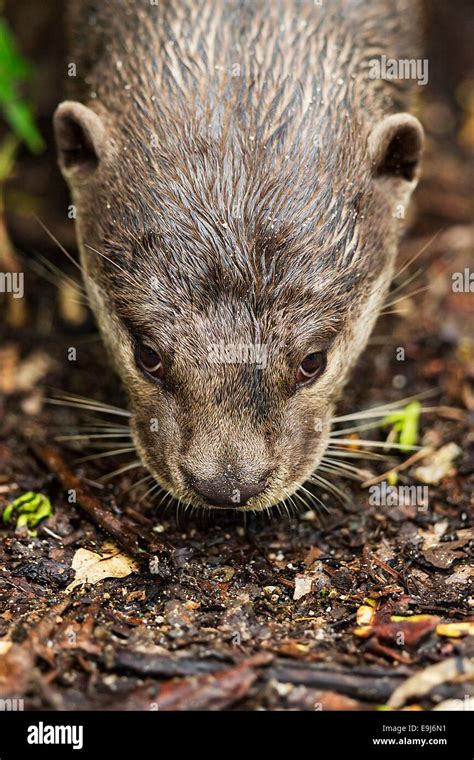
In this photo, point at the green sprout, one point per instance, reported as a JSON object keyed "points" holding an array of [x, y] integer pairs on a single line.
{"points": [[14, 71], [29, 508], [392, 478], [404, 425]]}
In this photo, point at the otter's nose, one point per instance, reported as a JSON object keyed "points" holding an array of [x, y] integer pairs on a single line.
{"points": [[226, 492]]}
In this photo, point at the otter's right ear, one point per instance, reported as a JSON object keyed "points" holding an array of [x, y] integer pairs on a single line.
{"points": [[395, 145], [80, 139]]}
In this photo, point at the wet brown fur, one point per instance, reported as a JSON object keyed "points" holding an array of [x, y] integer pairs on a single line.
{"points": [[237, 201]]}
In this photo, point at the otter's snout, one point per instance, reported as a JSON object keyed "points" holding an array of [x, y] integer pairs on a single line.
{"points": [[226, 490]]}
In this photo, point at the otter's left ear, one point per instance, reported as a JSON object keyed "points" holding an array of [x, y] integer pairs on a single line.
{"points": [[395, 145], [80, 139]]}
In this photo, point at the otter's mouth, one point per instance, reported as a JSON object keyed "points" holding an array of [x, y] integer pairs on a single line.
{"points": [[275, 494], [188, 497], [277, 488]]}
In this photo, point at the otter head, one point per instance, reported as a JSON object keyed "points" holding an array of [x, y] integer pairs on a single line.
{"points": [[235, 282]]}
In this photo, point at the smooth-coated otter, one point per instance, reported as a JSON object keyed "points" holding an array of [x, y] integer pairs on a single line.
{"points": [[239, 179]]}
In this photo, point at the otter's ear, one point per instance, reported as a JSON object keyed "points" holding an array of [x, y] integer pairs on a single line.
{"points": [[80, 139], [395, 145]]}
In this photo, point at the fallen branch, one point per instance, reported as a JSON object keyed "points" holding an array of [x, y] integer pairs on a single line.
{"points": [[159, 665], [372, 686], [121, 529], [216, 691], [399, 467]]}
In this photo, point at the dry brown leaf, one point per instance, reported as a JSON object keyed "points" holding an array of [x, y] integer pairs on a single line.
{"points": [[92, 568], [437, 465]]}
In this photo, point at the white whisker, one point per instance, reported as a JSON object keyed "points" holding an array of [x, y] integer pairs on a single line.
{"points": [[139, 483], [384, 409], [405, 295], [342, 466], [129, 277], [379, 444], [342, 473], [90, 437], [409, 279], [121, 470], [420, 252], [114, 453], [90, 407], [345, 453], [60, 246], [156, 486], [319, 480], [314, 497]]}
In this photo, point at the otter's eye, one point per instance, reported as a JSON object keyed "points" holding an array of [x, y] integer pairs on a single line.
{"points": [[310, 368], [149, 361]]}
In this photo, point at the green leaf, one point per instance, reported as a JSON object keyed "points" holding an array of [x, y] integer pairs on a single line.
{"points": [[404, 423], [29, 508], [12, 63], [20, 118], [14, 69]]}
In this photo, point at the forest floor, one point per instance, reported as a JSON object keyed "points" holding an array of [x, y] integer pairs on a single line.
{"points": [[118, 601]]}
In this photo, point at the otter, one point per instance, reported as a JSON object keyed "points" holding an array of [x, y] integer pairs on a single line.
{"points": [[240, 178]]}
